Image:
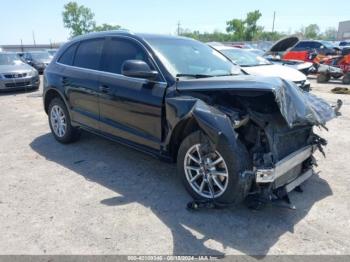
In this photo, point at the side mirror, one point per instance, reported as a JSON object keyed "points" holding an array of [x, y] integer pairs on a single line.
{"points": [[138, 69]]}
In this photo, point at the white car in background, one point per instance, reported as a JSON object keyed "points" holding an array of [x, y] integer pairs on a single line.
{"points": [[253, 64]]}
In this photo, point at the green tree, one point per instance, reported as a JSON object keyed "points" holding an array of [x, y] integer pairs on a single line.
{"points": [[237, 27], [79, 19], [312, 31], [246, 29], [252, 29], [330, 34], [106, 27]]}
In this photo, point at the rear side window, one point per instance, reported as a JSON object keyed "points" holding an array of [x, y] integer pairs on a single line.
{"points": [[89, 53], [68, 55], [302, 46], [307, 45], [117, 51]]}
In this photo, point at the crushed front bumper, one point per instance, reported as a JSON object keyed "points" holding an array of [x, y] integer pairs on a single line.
{"points": [[285, 165]]}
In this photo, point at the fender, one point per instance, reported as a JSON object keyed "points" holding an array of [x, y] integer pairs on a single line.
{"points": [[214, 123]]}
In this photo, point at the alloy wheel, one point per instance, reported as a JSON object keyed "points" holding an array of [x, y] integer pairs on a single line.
{"points": [[207, 174]]}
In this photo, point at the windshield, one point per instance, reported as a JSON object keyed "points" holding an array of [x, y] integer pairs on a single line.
{"points": [[328, 44], [189, 57], [9, 59], [40, 56], [245, 58]]}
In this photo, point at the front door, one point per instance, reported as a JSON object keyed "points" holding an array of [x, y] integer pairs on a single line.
{"points": [[130, 108]]}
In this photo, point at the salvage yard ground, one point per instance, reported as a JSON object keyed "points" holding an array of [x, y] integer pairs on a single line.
{"points": [[99, 197]]}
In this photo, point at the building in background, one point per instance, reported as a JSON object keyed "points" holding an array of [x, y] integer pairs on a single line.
{"points": [[344, 30], [25, 48]]}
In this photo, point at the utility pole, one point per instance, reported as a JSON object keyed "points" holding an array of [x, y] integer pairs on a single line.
{"points": [[178, 28], [22, 45], [273, 23], [34, 38]]}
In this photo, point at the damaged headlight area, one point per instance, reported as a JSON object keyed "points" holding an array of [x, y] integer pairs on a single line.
{"points": [[268, 127]]}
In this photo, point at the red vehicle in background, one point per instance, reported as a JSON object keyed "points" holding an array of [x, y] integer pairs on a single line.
{"points": [[328, 60], [341, 61]]}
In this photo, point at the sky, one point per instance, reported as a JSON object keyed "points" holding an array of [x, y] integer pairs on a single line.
{"points": [[19, 19]]}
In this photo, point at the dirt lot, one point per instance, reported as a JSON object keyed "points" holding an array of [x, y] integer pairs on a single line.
{"points": [[98, 197]]}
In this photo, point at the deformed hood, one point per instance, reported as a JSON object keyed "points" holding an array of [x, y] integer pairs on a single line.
{"points": [[284, 43], [297, 107]]}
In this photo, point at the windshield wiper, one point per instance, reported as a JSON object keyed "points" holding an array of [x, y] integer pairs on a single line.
{"points": [[226, 75], [194, 75]]}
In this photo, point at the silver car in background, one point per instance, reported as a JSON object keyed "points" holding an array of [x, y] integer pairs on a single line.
{"points": [[16, 75]]}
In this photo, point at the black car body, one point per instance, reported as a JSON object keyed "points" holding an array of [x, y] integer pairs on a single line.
{"points": [[230, 134], [37, 59], [321, 47]]}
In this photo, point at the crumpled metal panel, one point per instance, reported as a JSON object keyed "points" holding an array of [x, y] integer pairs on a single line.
{"points": [[212, 121], [296, 106], [302, 108]]}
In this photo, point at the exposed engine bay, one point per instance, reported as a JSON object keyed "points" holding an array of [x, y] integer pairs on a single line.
{"points": [[276, 127]]}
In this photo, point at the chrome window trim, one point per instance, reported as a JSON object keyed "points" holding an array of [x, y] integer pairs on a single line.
{"points": [[120, 76]]}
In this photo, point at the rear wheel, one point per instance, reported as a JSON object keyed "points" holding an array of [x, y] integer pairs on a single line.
{"points": [[208, 174], [346, 79], [60, 123], [323, 78]]}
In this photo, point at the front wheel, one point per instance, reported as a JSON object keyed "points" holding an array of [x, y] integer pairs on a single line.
{"points": [[213, 174], [60, 124]]}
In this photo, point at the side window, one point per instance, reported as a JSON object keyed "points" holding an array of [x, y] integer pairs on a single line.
{"points": [[117, 51], [68, 55], [89, 53], [313, 45], [317, 45], [301, 46]]}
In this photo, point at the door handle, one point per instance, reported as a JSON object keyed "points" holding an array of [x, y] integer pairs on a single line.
{"points": [[64, 80], [104, 89]]}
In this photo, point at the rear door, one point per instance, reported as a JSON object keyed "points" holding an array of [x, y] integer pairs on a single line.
{"points": [[80, 79], [130, 108]]}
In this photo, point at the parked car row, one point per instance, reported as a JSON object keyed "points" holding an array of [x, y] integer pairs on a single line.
{"points": [[15, 74], [231, 134], [329, 61], [38, 59], [20, 71], [254, 64]]}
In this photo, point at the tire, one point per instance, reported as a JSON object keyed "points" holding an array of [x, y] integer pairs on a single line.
{"points": [[70, 134], [236, 160], [323, 78], [346, 79]]}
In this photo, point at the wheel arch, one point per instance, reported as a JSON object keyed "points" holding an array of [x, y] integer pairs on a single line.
{"points": [[49, 95], [183, 128], [186, 115]]}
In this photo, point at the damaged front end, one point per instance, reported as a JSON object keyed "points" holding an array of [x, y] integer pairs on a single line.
{"points": [[275, 125]]}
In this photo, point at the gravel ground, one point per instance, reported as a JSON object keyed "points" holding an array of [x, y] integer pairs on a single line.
{"points": [[98, 197]]}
